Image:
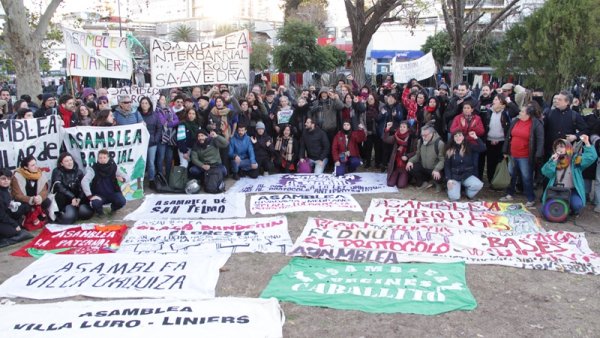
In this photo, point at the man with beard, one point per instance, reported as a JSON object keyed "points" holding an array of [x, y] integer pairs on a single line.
{"points": [[206, 153], [48, 106], [455, 106], [100, 184], [241, 154], [314, 146], [66, 109]]}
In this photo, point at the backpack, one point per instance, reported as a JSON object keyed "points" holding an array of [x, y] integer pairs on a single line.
{"points": [[162, 186], [214, 182], [178, 178], [436, 146]]}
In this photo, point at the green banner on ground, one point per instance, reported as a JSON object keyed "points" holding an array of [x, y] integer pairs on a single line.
{"points": [[426, 289]]}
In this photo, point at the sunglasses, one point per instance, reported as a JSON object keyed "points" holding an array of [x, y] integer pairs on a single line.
{"points": [[126, 102]]}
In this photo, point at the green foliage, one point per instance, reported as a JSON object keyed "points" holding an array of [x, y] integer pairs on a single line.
{"points": [[183, 33], [482, 54], [298, 47], [440, 45], [329, 58], [259, 58], [556, 44], [223, 30]]}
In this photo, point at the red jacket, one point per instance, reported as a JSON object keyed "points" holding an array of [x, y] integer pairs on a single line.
{"points": [[410, 105], [339, 144], [476, 125]]}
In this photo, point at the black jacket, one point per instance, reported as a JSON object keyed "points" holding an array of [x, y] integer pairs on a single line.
{"points": [[67, 185], [536, 140], [261, 150], [458, 167], [315, 143]]}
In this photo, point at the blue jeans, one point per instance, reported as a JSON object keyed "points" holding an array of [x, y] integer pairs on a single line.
{"points": [[596, 200], [348, 166], [151, 162], [116, 200], [521, 167], [576, 204], [164, 155], [472, 185], [318, 169], [198, 172], [244, 165]]}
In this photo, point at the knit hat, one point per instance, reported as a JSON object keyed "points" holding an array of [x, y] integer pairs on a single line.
{"points": [[444, 86], [202, 131], [260, 125]]}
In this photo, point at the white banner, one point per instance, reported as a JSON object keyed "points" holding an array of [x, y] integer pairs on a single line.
{"points": [[363, 242], [181, 64], [97, 55], [278, 204], [136, 93], [127, 146], [219, 317], [483, 215], [117, 276], [39, 137], [159, 207], [358, 183], [208, 236], [420, 69]]}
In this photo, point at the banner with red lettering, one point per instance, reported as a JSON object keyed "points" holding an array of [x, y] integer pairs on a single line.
{"points": [[387, 243], [75, 241], [483, 215], [269, 234]]}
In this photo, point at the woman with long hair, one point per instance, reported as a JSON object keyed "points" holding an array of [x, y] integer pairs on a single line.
{"points": [[187, 130], [66, 184], [458, 166], [169, 121], [403, 149], [496, 123], [105, 118], [372, 141], [286, 150], [84, 115], [154, 127]]}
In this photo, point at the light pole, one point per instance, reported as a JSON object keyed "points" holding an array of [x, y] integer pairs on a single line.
{"points": [[120, 27]]}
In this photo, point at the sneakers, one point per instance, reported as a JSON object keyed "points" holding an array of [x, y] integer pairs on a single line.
{"points": [[530, 204], [425, 185], [236, 176], [506, 198]]}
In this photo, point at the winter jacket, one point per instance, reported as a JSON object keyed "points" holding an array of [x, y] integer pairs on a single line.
{"points": [[339, 144], [559, 123], [505, 120], [92, 185], [389, 138], [387, 114], [187, 134], [455, 108], [588, 157], [17, 187], [210, 154], [124, 118], [476, 125], [154, 127], [426, 154], [66, 184], [536, 140], [325, 112], [5, 199], [314, 144], [241, 146], [460, 167], [261, 150]]}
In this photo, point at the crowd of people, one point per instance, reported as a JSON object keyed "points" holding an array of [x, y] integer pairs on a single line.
{"points": [[445, 138]]}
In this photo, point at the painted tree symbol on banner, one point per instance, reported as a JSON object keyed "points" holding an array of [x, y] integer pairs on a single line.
{"points": [[138, 173]]}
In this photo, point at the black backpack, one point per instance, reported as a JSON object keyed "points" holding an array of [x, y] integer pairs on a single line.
{"points": [[214, 182], [162, 186]]}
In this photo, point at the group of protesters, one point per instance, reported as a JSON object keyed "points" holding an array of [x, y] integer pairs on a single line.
{"points": [[444, 138]]}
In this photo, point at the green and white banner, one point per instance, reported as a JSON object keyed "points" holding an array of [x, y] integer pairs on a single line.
{"points": [[426, 289]]}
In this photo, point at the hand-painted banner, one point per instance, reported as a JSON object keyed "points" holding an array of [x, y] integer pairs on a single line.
{"points": [[181, 64], [97, 55], [208, 236], [136, 93], [483, 215], [76, 241], [420, 69], [117, 276], [284, 116], [278, 204], [39, 137], [426, 289], [358, 183], [385, 243], [190, 206], [218, 317], [127, 146]]}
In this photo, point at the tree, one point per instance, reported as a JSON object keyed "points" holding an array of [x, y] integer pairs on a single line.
{"points": [[183, 33], [439, 45], [259, 57], [365, 21], [465, 28], [23, 43], [328, 58], [313, 12], [558, 45], [482, 54]]}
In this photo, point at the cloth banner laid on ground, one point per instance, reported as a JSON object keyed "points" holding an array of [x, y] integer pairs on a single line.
{"points": [[76, 241], [277, 204], [385, 243], [127, 146], [97, 55], [219, 317], [208, 236], [180, 64], [426, 289], [117, 276], [420, 69], [136, 93], [190, 206], [484, 215], [358, 183], [39, 137]]}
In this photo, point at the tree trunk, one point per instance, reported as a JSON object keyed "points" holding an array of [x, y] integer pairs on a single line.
{"points": [[27, 69], [358, 68], [458, 65]]}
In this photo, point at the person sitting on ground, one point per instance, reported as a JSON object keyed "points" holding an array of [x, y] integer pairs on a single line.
{"points": [[345, 148], [66, 184], [459, 168], [566, 166], [241, 154], [206, 154], [428, 161], [30, 186], [403, 149], [11, 213], [100, 184], [314, 146], [286, 150], [263, 150]]}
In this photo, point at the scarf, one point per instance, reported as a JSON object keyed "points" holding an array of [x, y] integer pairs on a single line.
{"points": [[565, 160], [402, 142], [66, 116], [372, 112], [192, 126], [105, 170], [347, 113], [285, 147], [29, 175]]}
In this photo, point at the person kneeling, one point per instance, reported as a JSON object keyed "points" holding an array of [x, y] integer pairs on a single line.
{"points": [[11, 213], [66, 184], [459, 167], [402, 141], [345, 149], [100, 184], [206, 154], [241, 152]]}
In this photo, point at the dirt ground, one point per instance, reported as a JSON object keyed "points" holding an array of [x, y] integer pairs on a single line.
{"points": [[511, 301]]}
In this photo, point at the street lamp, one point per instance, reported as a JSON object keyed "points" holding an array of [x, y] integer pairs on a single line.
{"points": [[119, 9]]}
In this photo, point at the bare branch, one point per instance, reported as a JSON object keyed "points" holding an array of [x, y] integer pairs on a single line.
{"points": [[471, 23], [42, 27]]}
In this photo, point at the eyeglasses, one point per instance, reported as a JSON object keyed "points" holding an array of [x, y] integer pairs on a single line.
{"points": [[126, 102], [178, 101]]}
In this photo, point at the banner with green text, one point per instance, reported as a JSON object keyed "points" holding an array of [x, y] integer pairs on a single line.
{"points": [[426, 289]]}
